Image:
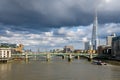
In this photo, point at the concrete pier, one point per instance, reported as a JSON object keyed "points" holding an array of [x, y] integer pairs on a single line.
{"points": [[48, 56], [90, 57], [26, 57], [63, 56], [77, 57], [69, 57]]}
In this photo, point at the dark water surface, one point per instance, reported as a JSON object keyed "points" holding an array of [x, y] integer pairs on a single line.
{"points": [[58, 69]]}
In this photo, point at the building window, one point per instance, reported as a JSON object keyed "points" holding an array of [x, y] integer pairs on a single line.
{"points": [[7, 53], [0, 55]]}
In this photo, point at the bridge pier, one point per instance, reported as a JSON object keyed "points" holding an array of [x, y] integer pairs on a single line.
{"points": [[69, 57], [48, 56], [90, 57], [63, 56], [26, 57], [77, 57]]}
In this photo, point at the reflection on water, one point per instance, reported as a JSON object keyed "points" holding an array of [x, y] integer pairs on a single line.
{"points": [[5, 67], [4, 71], [116, 72], [58, 69]]}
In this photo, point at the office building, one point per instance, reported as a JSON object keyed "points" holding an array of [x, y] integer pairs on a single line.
{"points": [[116, 46], [88, 45], [68, 49], [109, 39], [95, 41]]}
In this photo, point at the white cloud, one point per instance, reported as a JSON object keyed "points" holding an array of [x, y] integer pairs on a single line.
{"points": [[7, 32], [84, 39], [48, 33], [62, 30], [109, 28], [70, 36], [33, 36]]}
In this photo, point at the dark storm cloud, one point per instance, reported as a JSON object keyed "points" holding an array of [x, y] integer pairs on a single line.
{"points": [[43, 14]]}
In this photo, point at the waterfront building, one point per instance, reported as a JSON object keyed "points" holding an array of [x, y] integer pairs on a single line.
{"points": [[5, 53], [7, 45], [57, 50], [15, 48], [104, 49], [19, 48], [68, 49], [77, 51], [109, 39], [116, 46]]}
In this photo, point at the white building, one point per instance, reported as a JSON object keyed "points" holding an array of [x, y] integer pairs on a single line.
{"points": [[69, 48], [86, 45], [5, 53], [109, 39]]}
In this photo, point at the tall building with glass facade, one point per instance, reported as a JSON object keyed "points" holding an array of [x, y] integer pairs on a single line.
{"points": [[95, 41]]}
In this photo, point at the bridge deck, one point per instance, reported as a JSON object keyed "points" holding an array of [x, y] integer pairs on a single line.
{"points": [[55, 54]]}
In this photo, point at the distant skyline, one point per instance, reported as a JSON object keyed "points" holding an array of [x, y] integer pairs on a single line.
{"points": [[47, 24]]}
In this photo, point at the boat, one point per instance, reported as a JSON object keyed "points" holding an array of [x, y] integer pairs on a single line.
{"points": [[98, 62]]}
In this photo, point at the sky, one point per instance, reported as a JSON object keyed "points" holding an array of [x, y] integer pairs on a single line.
{"points": [[52, 24]]}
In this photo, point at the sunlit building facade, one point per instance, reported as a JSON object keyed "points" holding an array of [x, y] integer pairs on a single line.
{"points": [[5, 53], [109, 39]]}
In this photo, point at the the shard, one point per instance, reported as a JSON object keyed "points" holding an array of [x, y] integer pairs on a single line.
{"points": [[95, 41]]}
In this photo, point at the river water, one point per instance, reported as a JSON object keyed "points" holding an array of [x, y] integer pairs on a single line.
{"points": [[58, 69]]}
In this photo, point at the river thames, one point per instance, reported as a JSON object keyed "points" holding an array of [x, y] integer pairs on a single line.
{"points": [[58, 69]]}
